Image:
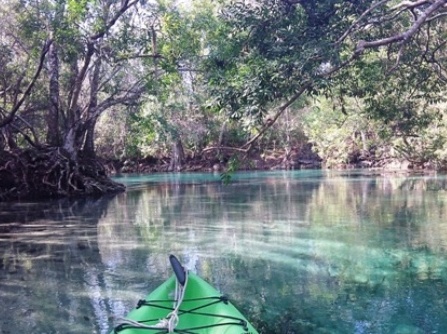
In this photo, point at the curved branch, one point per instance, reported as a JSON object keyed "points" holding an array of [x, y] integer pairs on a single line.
{"points": [[8, 119], [437, 16], [404, 36], [411, 4], [126, 5]]}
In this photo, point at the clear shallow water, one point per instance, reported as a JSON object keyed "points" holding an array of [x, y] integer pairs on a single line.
{"points": [[298, 252]]}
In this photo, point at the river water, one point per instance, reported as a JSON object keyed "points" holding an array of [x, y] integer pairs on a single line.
{"points": [[297, 252]]}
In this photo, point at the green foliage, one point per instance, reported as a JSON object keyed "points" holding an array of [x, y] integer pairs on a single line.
{"points": [[266, 51], [77, 9], [232, 167], [112, 139], [350, 137], [204, 63], [337, 136], [160, 122], [406, 104], [174, 109], [272, 49]]}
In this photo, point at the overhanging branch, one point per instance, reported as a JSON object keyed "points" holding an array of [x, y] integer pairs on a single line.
{"points": [[403, 37]]}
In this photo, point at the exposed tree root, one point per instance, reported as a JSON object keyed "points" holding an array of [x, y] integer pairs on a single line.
{"points": [[50, 173]]}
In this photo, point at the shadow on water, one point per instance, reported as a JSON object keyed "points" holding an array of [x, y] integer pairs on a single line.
{"points": [[298, 252]]}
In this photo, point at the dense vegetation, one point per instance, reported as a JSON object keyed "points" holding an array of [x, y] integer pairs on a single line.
{"points": [[215, 81]]}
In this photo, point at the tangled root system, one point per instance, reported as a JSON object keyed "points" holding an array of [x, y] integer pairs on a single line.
{"points": [[50, 173]]}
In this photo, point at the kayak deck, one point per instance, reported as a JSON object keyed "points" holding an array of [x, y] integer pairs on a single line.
{"points": [[203, 310]]}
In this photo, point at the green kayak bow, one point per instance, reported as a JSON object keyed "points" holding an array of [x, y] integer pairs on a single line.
{"points": [[185, 303]]}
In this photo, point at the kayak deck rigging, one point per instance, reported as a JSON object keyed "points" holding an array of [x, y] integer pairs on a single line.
{"points": [[236, 321], [184, 304]]}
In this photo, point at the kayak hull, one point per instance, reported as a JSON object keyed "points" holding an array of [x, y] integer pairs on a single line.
{"points": [[203, 311]]}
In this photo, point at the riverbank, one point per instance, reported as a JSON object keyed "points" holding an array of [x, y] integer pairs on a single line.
{"points": [[302, 158], [297, 158]]}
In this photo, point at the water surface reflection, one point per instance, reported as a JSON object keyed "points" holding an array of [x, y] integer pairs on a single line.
{"points": [[298, 252]]}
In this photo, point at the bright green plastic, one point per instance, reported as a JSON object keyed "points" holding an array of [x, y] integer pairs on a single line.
{"points": [[201, 311]]}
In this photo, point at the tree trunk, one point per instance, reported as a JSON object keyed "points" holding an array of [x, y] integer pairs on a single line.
{"points": [[53, 135], [177, 156], [153, 37], [89, 143], [70, 144], [220, 141], [73, 74], [9, 140], [288, 141]]}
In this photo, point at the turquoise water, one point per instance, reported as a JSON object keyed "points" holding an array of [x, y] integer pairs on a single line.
{"points": [[297, 252]]}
